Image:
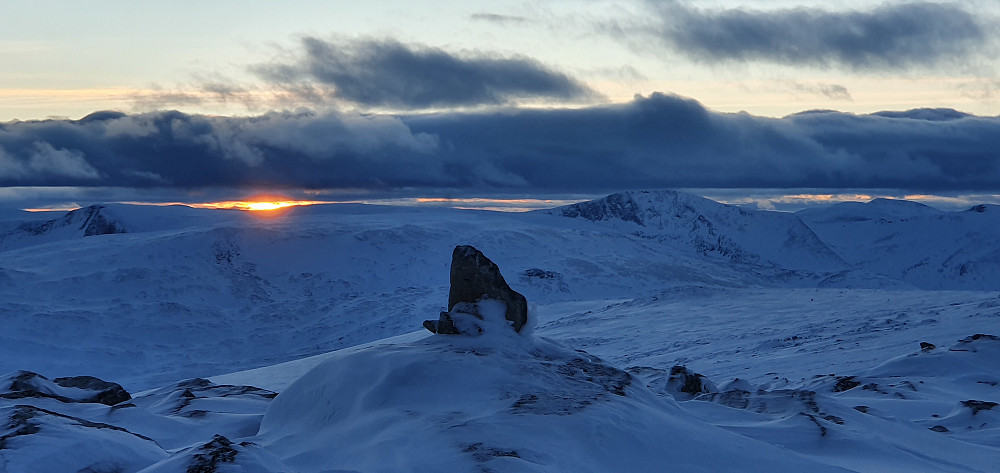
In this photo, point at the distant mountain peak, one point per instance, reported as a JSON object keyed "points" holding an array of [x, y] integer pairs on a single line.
{"points": [[638, 207], [768, 239], [96, 221], [92, 220], [83, 222]]}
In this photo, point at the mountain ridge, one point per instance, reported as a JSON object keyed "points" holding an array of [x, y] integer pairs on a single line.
{"points": [[770, 239]]}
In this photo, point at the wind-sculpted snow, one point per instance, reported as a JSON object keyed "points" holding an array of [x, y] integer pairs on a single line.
{"points": [[60, 430], [496, 402], [840, 376], [714, 338]]}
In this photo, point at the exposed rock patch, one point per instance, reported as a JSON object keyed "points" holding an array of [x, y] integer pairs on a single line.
{"points": [[686, 381], [88, 389], [845, 383], [474, 278], [108, 393], [209, 456], [977, 406]]}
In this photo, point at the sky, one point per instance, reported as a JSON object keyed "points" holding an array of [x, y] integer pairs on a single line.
{"points": [[758, 102]]}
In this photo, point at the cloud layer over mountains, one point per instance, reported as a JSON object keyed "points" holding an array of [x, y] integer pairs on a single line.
{"points": [[890, 36], [655, 141]]}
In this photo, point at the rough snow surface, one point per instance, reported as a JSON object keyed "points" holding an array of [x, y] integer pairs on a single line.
{"points": [[671, 333]]}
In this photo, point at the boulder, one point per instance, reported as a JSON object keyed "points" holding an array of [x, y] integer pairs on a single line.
{"points": [[475, 278], [683, 380]]}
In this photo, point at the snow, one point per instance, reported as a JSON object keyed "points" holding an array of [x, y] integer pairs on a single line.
{"points": [[805, 330], [911, 242], [497, 402]]}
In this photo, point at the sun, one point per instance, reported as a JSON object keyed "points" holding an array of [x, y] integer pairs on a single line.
{"points": [[263, 206], [259, 204]]}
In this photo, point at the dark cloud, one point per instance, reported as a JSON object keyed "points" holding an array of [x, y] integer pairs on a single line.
{"points": [[388, 73], [891, 36], [180, 150], [498, 18], [652, 142]]}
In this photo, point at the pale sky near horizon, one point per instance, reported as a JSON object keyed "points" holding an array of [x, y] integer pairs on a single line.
{"points": [[507, 99], [67, 59]]}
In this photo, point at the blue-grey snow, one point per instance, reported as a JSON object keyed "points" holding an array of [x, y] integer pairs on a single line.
{"points": [[666, 332]]}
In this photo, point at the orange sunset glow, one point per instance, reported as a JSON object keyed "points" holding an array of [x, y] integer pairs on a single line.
{"points": [[255, 205]]}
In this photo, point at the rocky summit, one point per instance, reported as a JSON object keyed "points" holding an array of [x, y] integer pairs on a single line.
{"points": [[474, 278]]}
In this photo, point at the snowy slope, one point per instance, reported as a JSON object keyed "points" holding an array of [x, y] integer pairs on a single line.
{"points": [[321, 305], [104, 219], [911, 242], [171, 296], [498, 402], [769, 239]]}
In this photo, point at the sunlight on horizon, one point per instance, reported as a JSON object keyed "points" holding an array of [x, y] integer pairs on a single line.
{"points": [[270, 205]]}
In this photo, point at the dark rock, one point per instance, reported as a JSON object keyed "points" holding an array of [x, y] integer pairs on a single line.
{"points": [[210, 455], [973, 342], [845, 383], [25, 384], [106, 392], [444, 325], [978, 336], [862, 409], [735, 398], [612, 379], [541, 274], [977, 406], [474, 278], [574, 385], [686, 381], [940, 428], [191, 390], [20, 424], [925, 346], [484, 453]]}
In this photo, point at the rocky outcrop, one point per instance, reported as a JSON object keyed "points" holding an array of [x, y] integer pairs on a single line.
{"points": [[105, 392], [475, 278], [87, 389], [683, 380]]}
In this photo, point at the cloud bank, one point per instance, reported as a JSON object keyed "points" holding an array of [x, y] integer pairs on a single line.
{"points": [[891, 36], [388, 73], [652, 142]]}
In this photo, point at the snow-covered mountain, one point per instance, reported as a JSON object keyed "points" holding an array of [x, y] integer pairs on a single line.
{"points": [[104, 219], [911, 242], [672, 332], [769, 239], [86, 221]]}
